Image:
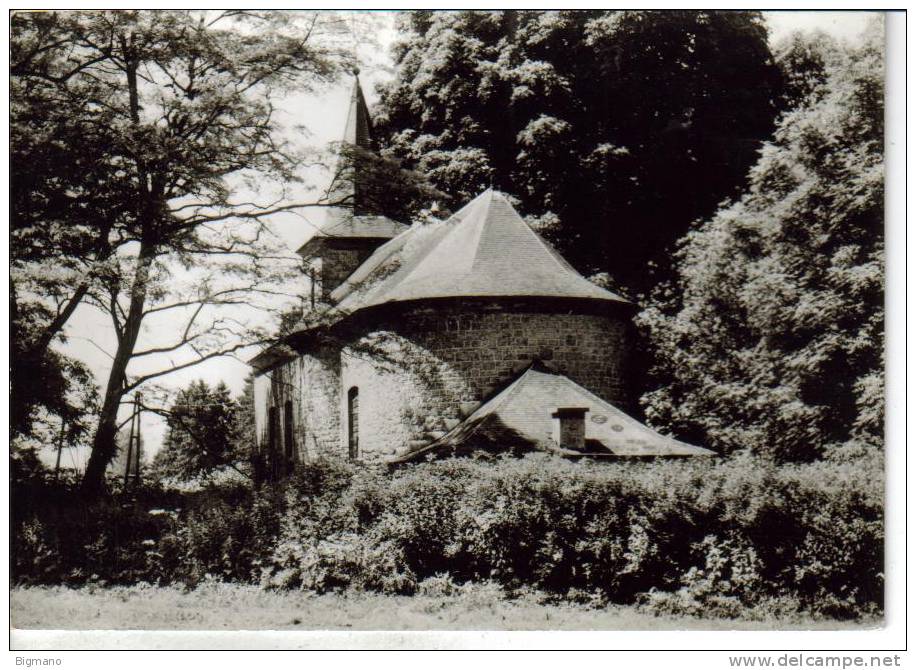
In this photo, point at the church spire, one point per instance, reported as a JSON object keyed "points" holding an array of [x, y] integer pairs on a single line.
{"points": [[348, 182], [358, 130], [353, 227]]}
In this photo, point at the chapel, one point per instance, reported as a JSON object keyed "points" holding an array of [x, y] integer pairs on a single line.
{"points": [[445, 338]]}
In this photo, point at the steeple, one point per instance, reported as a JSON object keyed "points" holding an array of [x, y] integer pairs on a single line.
{"points": [[358, 131], [348, 184], [353, 227]]}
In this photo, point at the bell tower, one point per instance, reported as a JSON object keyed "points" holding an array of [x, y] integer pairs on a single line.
{"points": [[353, 228]]}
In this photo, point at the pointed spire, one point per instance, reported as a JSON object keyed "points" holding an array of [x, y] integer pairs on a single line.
{"points": [[358, 130], [346, 186], [352, 212]]}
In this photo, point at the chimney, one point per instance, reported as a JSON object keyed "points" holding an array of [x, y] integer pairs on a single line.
{"points": [[569, 427]]}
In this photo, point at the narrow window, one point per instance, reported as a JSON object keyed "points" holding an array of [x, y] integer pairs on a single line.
{"points": [[353, 421], [289, 443], [272, 426]]}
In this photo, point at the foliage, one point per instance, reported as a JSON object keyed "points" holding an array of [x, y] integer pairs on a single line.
{"points": [[701, 533], [44, 383], [181, 106], [620, 127], [772, 335], [805, 60], [204, 434], [151, 534], [374, 184], [683, 537], [66, 194]]}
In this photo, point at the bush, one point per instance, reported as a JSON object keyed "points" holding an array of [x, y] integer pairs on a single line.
{"points": [[152, 535], [731, 536], [727, 537]]}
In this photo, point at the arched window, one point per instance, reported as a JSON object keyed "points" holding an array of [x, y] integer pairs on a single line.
{"points": [[353, 422]]}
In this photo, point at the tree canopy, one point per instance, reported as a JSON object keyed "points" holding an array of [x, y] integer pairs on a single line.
{"points": [[204, 436], [772, 336], [614, 129], [176, 112]]}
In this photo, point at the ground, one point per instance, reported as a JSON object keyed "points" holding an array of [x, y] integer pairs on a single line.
{"points": [[237, 607]]}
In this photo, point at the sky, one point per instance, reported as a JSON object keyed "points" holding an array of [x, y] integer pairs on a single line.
{"points": [[324, 114]]}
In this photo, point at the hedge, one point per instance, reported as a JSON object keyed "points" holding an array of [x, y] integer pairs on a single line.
{"points": [[703, 536]]}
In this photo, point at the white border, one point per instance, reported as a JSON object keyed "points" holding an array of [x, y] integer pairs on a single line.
{"points": [[892, 637]]}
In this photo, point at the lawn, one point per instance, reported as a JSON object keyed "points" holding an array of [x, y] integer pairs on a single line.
{"points": [[240, 607]]}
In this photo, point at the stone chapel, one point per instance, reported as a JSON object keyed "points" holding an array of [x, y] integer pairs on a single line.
{"points": [[445, 338]]}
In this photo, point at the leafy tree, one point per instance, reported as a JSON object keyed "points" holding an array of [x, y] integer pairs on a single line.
{"points": [[65, 195], [67, 188], [772, 336], [204, 434], [45, 385], [805, 60], [179, 109], [615, 129]]}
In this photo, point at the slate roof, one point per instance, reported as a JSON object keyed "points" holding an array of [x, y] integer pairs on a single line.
{"points": [[341, 223], [519, 417], [483, 250]]}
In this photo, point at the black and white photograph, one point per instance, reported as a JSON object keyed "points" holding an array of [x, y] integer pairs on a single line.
{"points": [[467, 320]]}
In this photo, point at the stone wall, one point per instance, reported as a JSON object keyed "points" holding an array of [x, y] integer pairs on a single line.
{"points": [[335, 260], [418, 373], [312, 383]]}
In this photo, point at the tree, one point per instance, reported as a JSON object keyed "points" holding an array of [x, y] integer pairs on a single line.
{"points": [[66, 190], [65, 195], [183, 105], [772, 337], [45, 386], [203, 436], [805, 59], [614, 129]]}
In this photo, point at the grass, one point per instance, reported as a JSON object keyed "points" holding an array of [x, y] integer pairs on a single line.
{"points": [[240, 607]]}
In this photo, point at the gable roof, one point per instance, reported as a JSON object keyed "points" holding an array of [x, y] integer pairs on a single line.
{"points": [[521, 416], [484, 249]]}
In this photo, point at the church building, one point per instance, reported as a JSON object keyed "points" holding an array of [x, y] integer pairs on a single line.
{"points": [[468, 334]]}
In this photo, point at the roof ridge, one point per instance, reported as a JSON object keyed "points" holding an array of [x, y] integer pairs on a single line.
{"points": [[564, 265], [508, 392]]}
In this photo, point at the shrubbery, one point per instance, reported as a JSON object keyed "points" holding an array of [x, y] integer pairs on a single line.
{"points": [[739, 536]]}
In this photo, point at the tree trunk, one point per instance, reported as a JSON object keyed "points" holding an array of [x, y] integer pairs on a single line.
{"points": [[50, 332], [104, 446]]}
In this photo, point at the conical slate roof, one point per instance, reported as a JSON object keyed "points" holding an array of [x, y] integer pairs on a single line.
{"points": [[521, 416], [353, 218], [484, 250]]}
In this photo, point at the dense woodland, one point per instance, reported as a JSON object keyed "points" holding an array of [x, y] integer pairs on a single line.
{"points": [[733, 188]]}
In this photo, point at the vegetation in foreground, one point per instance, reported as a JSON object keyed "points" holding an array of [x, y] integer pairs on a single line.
{"points": [[765, 335], [214, 606], [740, 538]]}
